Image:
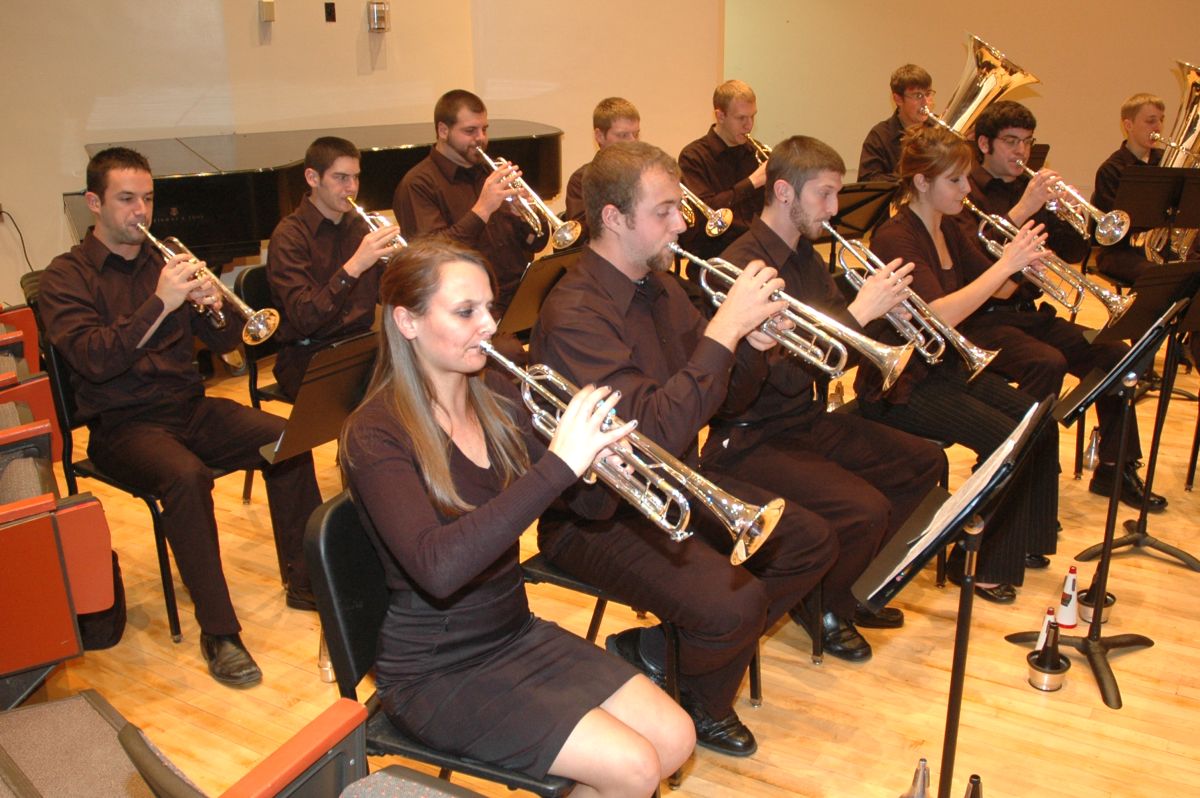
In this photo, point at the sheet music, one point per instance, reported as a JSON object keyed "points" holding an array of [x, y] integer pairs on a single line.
{"points": [[960, 502]]}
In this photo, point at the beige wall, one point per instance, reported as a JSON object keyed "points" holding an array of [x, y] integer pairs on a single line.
{"points": [[72, 74], [821, 67]]}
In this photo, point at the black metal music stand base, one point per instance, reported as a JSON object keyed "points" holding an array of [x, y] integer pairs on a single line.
{"points": [[1096, 650], [1140, 539]]}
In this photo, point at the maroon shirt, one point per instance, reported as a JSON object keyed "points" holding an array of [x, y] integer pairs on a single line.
{"points": [[646, 340], [576, 209], [904, 236], [720, 176], [318, 300], [790, 390], [880, 156], [994, 195], [96, 306], [436, 196], [1108, 176]]}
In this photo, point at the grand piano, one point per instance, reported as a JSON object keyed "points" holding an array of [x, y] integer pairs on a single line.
{"points": [[223, 195]]}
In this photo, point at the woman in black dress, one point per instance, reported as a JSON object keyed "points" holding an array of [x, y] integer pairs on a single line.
{"points": [[955, 277], [442, 460]]}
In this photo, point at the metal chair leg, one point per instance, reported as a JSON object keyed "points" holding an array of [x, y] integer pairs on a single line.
{"points": [[248, 486], [597, 616], [756, 678], [164, 571], [324, 663]]}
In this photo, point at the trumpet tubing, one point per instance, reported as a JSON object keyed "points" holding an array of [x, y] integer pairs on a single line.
{"points": [[562, 234], [826, 348], [1063, 284], [1070, 205], [718, 221], [925, 330], [761, 151], [659, 493], [260, 325]]}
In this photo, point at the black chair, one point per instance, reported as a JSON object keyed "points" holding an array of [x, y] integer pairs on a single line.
{"points": [[352, 600], [252, 288]]}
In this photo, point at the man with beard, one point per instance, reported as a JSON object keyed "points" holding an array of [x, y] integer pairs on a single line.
{"points": [[862, 478], [616, 319], [454, 193]]}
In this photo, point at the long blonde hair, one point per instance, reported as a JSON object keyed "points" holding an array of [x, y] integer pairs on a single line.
{"points": [[413, 276]]}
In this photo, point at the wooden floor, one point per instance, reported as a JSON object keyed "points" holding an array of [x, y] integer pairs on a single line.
{"points": [[850, 731]]}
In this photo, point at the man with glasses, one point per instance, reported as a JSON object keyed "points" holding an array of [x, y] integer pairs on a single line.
{"points": [[1038, 347], [912, 92]]}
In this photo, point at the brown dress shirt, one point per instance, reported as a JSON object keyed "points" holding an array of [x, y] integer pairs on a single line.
{"points": [[576, 209], [904, 236], [790, 391], [318, 300], [436, 196], [720, 176], [646, 340], [96, 306], [880, 156]]}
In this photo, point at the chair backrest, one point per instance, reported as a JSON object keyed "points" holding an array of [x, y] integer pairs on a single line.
{"points": [[348, 581], [252, 287]]}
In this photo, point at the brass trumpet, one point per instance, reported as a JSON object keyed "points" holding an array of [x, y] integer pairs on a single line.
{"points": [[1070, 206], [718, 220], [562, 234], [656, 479], [826, 348], [260, 325], [761, 151], [924, 329], [1063, 284], [376, 221]]}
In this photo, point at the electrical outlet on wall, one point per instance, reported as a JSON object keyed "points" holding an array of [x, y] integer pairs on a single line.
{"points": [[330, 12]]}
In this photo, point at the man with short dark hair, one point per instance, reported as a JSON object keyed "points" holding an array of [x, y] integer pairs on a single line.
{"points": [[614, 119], [723, 168], [121, 317], [862, 478], [453, 192], [616, 319], [912, 92], [1037, 347], [321, 262]]}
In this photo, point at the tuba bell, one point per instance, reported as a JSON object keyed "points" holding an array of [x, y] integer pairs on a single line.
{"points": [[987, 76], [1182, 150]]}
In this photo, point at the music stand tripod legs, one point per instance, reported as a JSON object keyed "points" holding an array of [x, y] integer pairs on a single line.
{"points": [[1137, 536], [1094, 646]]}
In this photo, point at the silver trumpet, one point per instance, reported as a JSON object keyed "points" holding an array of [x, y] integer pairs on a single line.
{"points": [[826, 346], [260, 324], [655, 480], [718, 220], [376, 221], [1057, 279], [924, 329], [1070, 206], [562, 234], [761, 151]]}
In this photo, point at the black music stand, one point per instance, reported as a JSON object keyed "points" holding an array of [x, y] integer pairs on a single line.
{"points": [[541, 276], [861, 208], [1159, 196], [1159, 288], [905, 554], [334, 384], [1122, 379]]}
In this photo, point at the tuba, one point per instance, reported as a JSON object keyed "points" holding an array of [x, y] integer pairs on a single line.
{"points": [[1056, 279], [718, 220], [260, 325], [650, 478], [562, 234], [987, 76], [924, 329], [1182, 150], [825, 346]]}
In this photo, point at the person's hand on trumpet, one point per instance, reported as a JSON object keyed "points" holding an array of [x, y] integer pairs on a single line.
{"points": [[177, 283], [497, 188], [882, 291], [748, 303], [1022, 251], [581, 436]]}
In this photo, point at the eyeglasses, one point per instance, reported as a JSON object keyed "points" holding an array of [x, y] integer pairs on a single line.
{"points": [[1014, 142], [921, 96]]}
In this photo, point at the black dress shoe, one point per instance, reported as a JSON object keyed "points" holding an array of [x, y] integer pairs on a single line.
{"points": [[1037, 562], [228, 660], [725, 736], [886, 618], [301, 598], [1002, 593], [627, 646], [839, 638], [1133, 489]]}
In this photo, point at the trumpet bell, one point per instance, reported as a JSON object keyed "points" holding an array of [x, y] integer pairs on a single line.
{"points": [[753, 529], [566, 234], [719, 222], [260, 326], [1112, 227]]}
